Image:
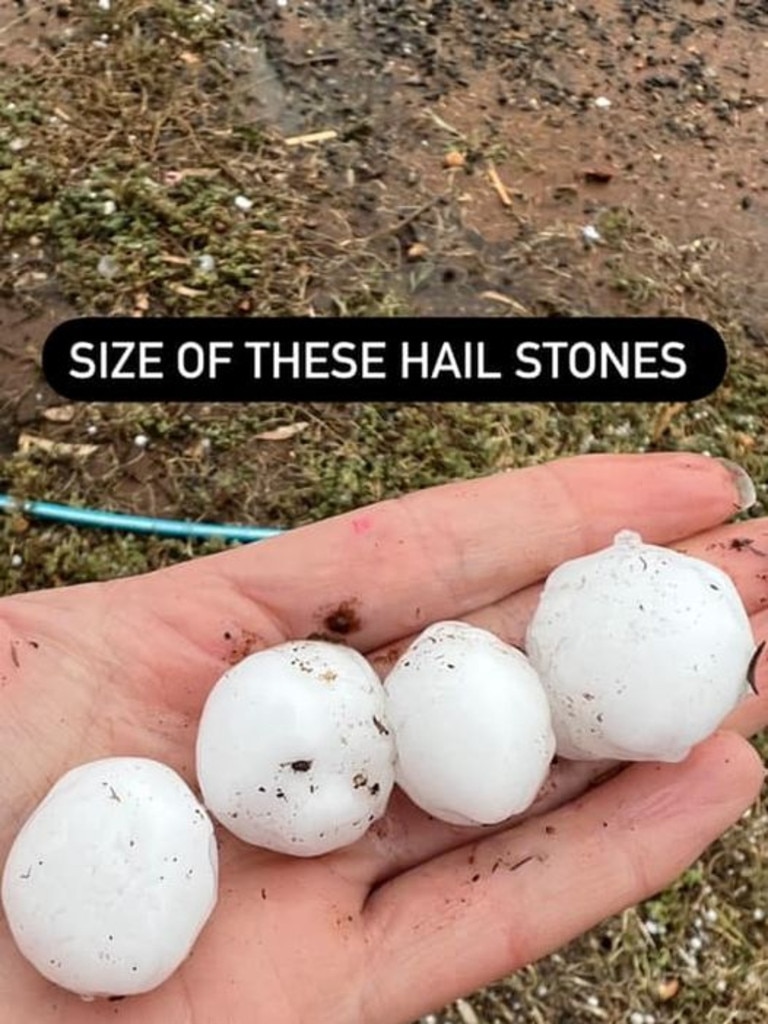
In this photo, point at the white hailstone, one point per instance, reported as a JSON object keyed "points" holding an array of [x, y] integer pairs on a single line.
{"points": [[294, 752], [107, 266], [111, 879], [643, 651], [590, 234], [471, 723]]}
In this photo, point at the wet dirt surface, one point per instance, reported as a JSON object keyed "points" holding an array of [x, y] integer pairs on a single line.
{"points": [[465, 138], [554, 111]]}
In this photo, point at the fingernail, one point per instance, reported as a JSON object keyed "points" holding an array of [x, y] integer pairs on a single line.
{"points": [[742, 481]]}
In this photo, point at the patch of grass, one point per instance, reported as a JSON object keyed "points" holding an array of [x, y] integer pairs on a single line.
{"points": [[130, 175]]}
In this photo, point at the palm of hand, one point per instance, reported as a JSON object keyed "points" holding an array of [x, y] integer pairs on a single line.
{"points": [[124, 668], [87, 644]]}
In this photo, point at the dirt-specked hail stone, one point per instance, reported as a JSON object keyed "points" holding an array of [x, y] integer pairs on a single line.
{"points": [[642, 650], [112, 877], [294, 753], [471, 723]]}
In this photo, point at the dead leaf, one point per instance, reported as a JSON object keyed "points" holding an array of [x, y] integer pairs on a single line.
{"points": [[301, 140], [499, 186], [181, 289], [199, 450], [507, 300], [284, 433], [174, 177], [466, 1012], [30, 443], [664, 419], [60, 413]]}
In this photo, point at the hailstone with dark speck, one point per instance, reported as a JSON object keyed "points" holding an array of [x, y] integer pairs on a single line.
{"points": [[294, 753], [112, 877]]}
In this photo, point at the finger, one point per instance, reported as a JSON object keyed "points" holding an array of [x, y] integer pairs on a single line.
{"points": [[408, 837], [739, 549], [478, 913], [380, 573], [751, 716]]}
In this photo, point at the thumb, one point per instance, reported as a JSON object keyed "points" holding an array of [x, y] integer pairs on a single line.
{"points": [[477, 913]]}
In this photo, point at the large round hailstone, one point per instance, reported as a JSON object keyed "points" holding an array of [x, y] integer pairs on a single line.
{"points": [[471, 723], [643, 651], [112, 877], [294, 753]]}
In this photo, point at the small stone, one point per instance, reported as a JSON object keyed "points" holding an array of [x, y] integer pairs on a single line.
{"points": [[668, 989], [454, 159], [417, 251]]}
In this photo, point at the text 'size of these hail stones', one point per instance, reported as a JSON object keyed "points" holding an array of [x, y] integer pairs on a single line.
{"points": [[635, 652]]}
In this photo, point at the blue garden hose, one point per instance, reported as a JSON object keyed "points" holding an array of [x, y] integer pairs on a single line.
{"points": [[133, 524]]}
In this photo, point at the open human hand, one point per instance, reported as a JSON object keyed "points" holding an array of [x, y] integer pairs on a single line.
{"points": [[417, 912]]}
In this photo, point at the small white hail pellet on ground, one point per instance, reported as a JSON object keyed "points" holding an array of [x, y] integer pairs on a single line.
{"points": [[643, 651], [112, 877], [471, 723], [294, 752]]}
